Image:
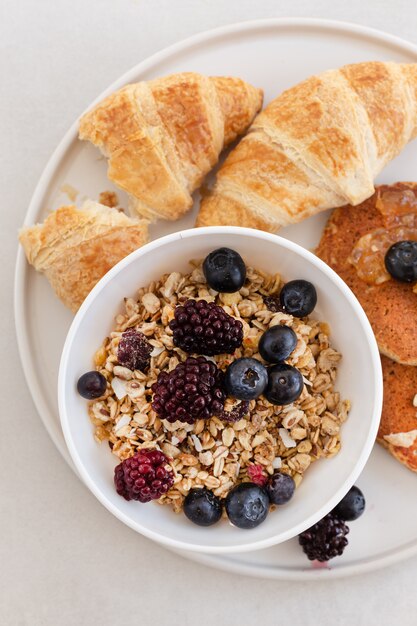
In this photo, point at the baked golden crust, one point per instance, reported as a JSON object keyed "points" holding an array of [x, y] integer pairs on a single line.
{"points": [[75, 247], [391, 307], [318, 145], [398, 413], [163, 136]]}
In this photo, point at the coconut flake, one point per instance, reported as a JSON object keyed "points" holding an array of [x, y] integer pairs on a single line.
{"points": [[119, 387], [277, 462], [175, 440], [197, 443], [123, 421], [404, 440], [157, 351], [286, 439], [177, 425]]}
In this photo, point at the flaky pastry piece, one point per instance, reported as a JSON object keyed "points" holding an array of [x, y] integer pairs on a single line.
{"points": [[75, 247], [317, 146], [161, 137]]}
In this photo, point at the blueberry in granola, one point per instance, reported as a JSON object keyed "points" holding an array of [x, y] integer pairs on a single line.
{"points": [[277, 343], [280, 488], [246, 379], [247, 505], [91, 385], [224, 270], [285, 384], [298, 298], [202, 507]]}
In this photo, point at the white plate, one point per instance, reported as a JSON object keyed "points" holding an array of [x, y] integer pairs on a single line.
{"points": [[272, 54]]}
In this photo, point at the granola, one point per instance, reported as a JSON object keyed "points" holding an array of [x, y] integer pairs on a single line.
{"points": [[212, 453]]}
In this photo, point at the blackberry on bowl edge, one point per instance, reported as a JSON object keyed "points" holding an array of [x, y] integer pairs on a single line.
{"points": [[224, 270], [325, 540]]}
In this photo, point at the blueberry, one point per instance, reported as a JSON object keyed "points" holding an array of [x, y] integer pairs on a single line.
{"points": [[298, 298], [352, 506], [401, 261], [285, 384], [280, 488], [247, 505], [225, 270], [91, 385], [277, 343], [246, 379], [202, 507]]}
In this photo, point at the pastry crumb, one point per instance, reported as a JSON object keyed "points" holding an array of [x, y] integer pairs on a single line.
{"points": [[70, 191], [109, 198]]}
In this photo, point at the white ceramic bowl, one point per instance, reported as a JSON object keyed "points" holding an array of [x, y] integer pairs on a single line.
{"points": [[359, 379]]}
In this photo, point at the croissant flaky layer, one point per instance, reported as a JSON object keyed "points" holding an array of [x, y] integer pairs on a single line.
{"points": [[163, 136], [75, 247], [318, 145]]}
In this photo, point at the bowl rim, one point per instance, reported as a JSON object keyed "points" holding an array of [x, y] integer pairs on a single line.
{"points": [[373, 423]]}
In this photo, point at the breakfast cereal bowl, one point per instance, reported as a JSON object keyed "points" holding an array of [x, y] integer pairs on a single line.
{"points": [[271, 439]]}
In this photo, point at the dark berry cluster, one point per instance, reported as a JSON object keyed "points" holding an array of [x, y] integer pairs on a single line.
{"points": [[134, 350], [326, 539], [201, 327], [192, 391], [145, 476]]}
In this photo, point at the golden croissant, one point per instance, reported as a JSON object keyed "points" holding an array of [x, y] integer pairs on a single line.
{"points": [[161, 137], [318, 145], [75, 247]]}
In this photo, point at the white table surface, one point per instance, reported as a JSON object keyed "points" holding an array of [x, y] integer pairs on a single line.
{"points": [[63, 559]]}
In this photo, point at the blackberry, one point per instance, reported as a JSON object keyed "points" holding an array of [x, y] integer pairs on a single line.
{"points": [[201, 327], [273, 304], [134, 350], [192, 391], [326, 539], [236, 413], [145, 476]]}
